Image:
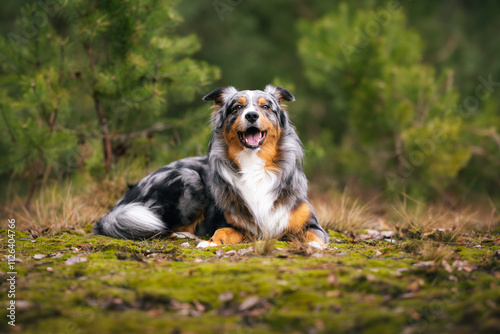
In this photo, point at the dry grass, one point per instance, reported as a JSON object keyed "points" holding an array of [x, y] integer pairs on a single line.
{"points": [[344, 213], [67, 206], [414, 214], [64, 206]]}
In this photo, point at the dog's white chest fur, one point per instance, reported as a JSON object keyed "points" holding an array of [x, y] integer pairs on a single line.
{"points": [[256, 186]]}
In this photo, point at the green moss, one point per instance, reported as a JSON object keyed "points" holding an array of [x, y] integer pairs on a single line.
{"points": [[147, 286], [338, 237]]}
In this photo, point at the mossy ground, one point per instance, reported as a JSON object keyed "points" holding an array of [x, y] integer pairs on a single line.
{"points": [[404, 285]]}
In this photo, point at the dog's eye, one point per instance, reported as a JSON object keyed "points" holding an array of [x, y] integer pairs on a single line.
{"points": [[238, 107], [265, 106]]}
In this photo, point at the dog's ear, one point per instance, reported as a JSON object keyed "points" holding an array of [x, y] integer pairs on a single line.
{"points": [[220, 95], [280, 93]]}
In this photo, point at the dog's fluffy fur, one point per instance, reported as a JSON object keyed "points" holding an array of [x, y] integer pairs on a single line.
{"points": [[249, 186]]}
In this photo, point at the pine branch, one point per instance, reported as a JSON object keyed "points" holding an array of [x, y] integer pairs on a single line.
{"points": [[90, 56], [53, 116], [130, 70], [158, 127], [489, 133], [147, 98], [41, 104], [61, 68], [143, 133], [11, 134]]}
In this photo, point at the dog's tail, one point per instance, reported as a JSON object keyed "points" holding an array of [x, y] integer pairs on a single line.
{"points": [[130, 221]]}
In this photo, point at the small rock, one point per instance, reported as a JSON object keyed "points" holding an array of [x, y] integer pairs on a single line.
{"points": [[39, 256], [185, 244]]}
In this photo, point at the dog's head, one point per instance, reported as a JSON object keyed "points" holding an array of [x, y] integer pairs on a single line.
{"points": [[249, 119]]}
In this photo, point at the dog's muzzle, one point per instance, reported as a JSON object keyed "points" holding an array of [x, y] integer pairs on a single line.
{"points": [[252, 137]]}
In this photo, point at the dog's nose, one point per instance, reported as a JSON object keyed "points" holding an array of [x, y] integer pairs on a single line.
{"points": [[252, 116]]}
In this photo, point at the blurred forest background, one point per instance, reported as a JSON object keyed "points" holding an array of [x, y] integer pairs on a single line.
{"points": [[395, 98]]}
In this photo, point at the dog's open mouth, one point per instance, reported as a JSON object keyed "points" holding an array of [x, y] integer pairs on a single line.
{"points": [[252, 138]]}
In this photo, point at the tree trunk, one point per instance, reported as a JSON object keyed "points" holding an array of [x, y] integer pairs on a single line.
{"points": [[106, 139], [36, 181]]}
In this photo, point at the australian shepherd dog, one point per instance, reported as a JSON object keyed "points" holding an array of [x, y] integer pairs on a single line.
{"points": [[250, 185]]}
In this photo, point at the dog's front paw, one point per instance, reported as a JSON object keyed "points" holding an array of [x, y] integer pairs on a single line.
{"points": [[314, 240], [227, 236], [315, 244], [205, 244]]}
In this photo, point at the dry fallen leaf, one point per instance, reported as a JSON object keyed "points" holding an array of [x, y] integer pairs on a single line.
{"points": [[199, 306], [75, 259], [462, 265], [225, 296], [332, 279], [57, 255], [155, 312], [334, 293], [424, 264], [413, 286], [245, 251], [446, 266], [248, 303]]}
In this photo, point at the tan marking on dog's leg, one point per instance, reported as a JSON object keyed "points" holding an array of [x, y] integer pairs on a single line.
{"points": [[298, 218], [227, 236]]}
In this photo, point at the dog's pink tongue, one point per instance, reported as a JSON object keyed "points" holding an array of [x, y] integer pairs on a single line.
{"points": [[253, 138]]}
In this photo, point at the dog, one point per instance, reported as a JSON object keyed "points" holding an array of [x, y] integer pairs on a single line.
{"points": [[249, 186]]}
